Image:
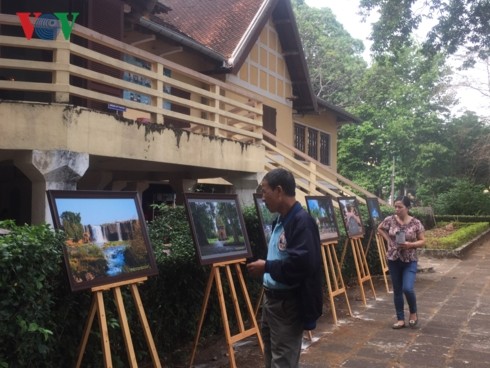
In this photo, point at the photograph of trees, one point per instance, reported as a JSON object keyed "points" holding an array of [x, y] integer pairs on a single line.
{"points": [[217, 227]]}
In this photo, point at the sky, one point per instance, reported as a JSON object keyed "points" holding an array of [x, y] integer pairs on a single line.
{"points": [[346, 13], [99, 211]]}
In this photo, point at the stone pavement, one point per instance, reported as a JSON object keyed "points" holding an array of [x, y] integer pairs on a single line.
{"points": [[453, 297]]}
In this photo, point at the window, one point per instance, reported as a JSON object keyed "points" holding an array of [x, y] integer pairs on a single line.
{"points": [[299, 137], [325, 148], [313, 142]]}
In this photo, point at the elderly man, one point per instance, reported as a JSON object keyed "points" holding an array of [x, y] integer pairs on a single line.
{"points": [[292, 274]]}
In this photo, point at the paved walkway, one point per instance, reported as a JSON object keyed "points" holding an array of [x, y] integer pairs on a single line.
{"points": [[453, 297]]}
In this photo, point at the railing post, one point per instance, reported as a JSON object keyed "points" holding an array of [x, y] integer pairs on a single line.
{"points": [[61, 56], [312, 182], [216, 104], [158, 118]]}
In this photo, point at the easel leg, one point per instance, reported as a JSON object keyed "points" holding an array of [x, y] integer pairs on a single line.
{"points": [[123, 320], [344, 252], [329, 285], [146, 326], [224, 316], [335, 266], [358, 269], [203, 314], [259, 302], [106, 348], [369, 243], [249, 305], [86, 331]]}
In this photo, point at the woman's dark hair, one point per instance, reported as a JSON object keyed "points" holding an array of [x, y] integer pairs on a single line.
{"points": [[283, 178], [405, 200]]}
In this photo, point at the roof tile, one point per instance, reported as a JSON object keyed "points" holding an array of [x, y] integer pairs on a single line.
{"points": [[204, 21]]}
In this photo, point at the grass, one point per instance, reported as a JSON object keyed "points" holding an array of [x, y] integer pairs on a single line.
{"points": [[450, 236]]}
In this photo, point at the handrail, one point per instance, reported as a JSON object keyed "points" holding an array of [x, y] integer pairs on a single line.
{"points": [[312, 171], [213, 108]]}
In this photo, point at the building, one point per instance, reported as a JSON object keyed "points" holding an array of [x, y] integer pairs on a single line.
{"points": [[159, 97]]}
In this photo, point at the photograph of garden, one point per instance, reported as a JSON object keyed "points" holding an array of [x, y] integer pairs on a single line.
{"points": [[374, 211], [321, 209], [218, 228], [105, 239], [351, 216]]}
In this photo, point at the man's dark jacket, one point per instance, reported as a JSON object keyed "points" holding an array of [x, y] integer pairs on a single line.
{"points": [[304, 265]]}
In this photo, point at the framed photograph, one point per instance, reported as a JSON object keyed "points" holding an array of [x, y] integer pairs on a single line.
{"points": [[349, 208], [321, 209], [266, 217], [218, 228], [374, 211], [106, 237]]}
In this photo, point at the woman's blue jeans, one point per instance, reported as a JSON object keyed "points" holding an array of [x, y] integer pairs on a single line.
{"points": [[403, 280]]}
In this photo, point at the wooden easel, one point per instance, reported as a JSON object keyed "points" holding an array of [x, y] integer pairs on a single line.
{"points": [[215, 278], [98, 308], [381, 244], [369, 241], [362, 268], [333, 276]]}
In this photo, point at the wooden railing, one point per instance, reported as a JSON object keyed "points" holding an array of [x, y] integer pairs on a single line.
{"points": [[69, 71], [312, 177]]}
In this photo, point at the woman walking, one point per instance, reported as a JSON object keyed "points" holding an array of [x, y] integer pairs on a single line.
{"points": [[403, 234]]}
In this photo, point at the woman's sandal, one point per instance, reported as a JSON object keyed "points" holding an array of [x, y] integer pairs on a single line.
{"points": [[413, 322], [398, 326]]}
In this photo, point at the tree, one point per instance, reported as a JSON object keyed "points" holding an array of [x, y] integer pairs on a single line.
{"points": [[460, 25], [333, 57], [72, 224], [469, 138], [403, 105]]}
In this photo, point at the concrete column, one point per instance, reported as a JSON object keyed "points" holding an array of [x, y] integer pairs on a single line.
{"points": [[181, 186], [245, 186], [55, 170]]}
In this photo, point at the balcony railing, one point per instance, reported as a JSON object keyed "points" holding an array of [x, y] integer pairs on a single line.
{"points": [[126, 81]]}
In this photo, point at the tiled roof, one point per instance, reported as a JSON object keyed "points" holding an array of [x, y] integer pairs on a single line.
{"points": [[227, 29], [216, 24]]}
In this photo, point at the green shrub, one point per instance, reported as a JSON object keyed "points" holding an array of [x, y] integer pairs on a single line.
{"points": [[465, 198], [462, 218], [30, 260], [464, 233]]}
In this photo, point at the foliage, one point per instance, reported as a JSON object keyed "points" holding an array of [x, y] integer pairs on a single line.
{"points": [[464, 198], [461, 218], [72, 224], [464, 232], [334, 58], [174, 297], [30, 260], [469, 137], [401, 122], [460, 24]]}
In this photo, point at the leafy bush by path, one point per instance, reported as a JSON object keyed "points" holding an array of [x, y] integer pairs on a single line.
{"points": [[465, 198]]}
